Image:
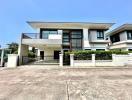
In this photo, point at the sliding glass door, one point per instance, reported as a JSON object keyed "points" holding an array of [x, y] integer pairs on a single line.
{"points": [[72, 40], [76, 40]]}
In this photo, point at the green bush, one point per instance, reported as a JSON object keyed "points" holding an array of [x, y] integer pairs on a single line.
{"points": [[86, 55], [31, 55]]}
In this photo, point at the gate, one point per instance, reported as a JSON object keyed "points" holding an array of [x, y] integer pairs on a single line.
{"points": [[39, 60]]}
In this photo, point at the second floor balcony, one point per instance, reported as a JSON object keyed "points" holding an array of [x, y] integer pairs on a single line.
{"points": [[36, 38]]}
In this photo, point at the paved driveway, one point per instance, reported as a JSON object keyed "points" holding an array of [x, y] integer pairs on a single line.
{"points": [[65, 84]]}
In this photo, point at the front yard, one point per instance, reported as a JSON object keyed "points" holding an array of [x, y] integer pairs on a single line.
{"points": [[65, 84]]}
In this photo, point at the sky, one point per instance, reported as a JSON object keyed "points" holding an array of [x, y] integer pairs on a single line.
{"points": [[15, 13]]}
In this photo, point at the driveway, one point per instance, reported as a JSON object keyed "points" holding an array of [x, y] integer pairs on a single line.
{"points": [[38, 83]]}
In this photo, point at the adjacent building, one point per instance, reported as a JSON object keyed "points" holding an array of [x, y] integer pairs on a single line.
{"points": [[121, 38]]}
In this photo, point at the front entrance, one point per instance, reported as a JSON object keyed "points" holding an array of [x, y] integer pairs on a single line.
{"points": [[56, 54], [42, 55]]}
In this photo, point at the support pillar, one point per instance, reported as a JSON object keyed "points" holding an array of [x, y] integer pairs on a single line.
{"points": [[71, 60], [93, 59], [22, 52], [86, 43], [61, 60], [2, 57]]}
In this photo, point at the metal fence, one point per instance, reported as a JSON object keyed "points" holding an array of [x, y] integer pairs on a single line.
{"points": [[30, 35], [39, 60], [83, 57]]}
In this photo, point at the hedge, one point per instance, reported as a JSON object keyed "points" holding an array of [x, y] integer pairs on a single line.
{"points": [[86, 55]]}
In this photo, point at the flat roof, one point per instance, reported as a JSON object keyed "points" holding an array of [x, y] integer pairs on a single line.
{"points": [[120, 29], [69, 25]]}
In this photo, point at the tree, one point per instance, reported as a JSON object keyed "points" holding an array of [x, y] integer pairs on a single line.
{"points": [[13, 47]]}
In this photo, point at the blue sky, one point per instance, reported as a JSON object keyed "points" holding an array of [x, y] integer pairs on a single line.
{"points": [[15, 13]]}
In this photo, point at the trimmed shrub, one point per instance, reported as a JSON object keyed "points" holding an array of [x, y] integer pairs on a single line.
{"points": [[31, 55]]}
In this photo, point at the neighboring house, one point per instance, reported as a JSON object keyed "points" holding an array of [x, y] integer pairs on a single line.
{"points": [[55, 37], [121, 38]]}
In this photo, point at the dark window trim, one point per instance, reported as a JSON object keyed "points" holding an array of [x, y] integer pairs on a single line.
{"points": [[100, 49], [100, 34], [129, 32], [42, 29], [116, 37]]}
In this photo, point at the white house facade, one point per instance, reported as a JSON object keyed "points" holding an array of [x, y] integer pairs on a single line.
{"points": [[55, 37]]}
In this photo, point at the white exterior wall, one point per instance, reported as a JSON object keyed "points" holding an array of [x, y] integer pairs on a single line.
{"points": [[129, 46], [49, 53], [96, 43], [22, 51], [117, 60], [98, 46], [12, 60], [86, 44], [55, 36], [93, 35], [123, 36]]}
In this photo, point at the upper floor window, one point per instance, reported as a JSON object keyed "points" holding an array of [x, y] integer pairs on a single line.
{"points": [[129, 35], [45, 33], [100, 34], [76, 40], [115, 38]]}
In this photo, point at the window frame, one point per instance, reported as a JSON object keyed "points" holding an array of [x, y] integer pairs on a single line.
{"points": [[48, 30], [78, 37], [100, 34], [129, 33]]}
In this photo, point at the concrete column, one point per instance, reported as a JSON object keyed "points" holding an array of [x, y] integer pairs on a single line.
{"points": [[93, 59], [60, 32], [113, 58], [61, 60], [2, 57], [22, 51], [38, 53], [71, 60], [130, 58], [12, 60], [85, 38]]}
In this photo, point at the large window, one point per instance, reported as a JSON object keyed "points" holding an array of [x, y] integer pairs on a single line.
{"points": [[129, 35], [115, 38], [45, 33], [66, 38], [100, 34], [76, 40], [72, 39]]}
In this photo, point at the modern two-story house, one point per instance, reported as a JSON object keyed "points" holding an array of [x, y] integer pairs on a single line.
{"points": [[121, 38], [51, 38]]}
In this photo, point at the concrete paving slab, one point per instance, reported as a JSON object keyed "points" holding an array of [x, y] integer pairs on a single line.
{"points": [[65, 84]]}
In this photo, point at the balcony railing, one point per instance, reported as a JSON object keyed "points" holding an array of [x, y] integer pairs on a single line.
{"points": [[37, 36], [30, 35]]}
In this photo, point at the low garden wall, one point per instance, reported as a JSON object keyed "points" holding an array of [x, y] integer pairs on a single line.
{"points": [[100, 58]]}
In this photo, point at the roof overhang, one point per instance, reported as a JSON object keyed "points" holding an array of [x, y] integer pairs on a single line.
{"points": [[69, 25], [122, 28]]}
